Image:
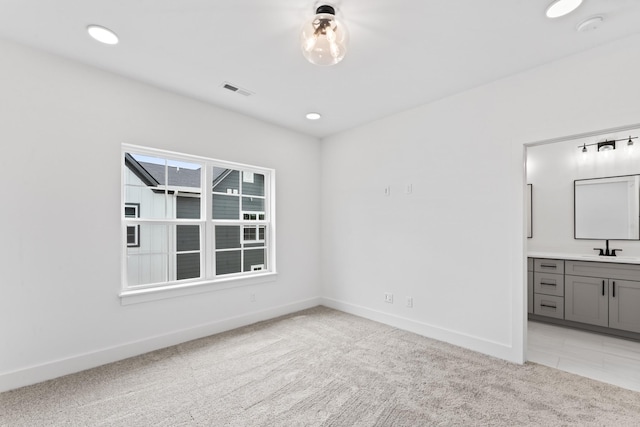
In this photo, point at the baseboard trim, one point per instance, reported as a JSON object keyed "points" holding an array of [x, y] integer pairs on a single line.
{"points": [[81, 362], [491, 348]]}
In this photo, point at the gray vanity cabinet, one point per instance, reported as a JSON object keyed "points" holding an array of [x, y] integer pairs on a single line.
{"points": [[548, 287], [586, 300], [624, 305], [602, 294]]}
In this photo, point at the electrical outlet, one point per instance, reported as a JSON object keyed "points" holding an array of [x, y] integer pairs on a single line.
{"points": [[388, 298], [252, 297], [387, 191], [410, 302]]}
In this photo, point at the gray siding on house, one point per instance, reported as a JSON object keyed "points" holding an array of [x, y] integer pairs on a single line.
{"points": [[253, 257], [188, 207], [252, 204], [187, 239], [226, 207], [228, 262], [188, 266], [230, 181], [227, 236], [256, 188]]}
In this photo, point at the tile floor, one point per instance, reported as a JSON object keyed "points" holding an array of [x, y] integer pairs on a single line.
{"points": [[600, 357]]}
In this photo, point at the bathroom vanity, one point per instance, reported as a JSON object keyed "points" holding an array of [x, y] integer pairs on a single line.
{"points": [[596, 293]]}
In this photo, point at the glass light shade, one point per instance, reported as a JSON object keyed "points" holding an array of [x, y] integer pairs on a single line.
{"points": [[562, 7], [324, 38]]}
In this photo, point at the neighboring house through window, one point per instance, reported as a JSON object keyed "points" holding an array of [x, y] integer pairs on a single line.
{"points": [[131, 210], [191, 219]]}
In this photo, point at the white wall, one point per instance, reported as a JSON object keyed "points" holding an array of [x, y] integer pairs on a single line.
{"points": [[456, 243], [61, 134], [552, 168]]}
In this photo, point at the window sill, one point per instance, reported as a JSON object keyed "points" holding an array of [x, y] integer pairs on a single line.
{"points": [[173, 291]]}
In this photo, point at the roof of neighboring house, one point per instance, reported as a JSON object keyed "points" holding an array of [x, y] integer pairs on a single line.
{"points": [[178, 177], [153, 174]]}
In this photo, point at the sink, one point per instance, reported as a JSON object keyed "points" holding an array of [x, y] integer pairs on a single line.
{"points": [[608, 258]]}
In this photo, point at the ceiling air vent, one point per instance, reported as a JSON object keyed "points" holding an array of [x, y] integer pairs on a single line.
{"points": [[236, 89]]}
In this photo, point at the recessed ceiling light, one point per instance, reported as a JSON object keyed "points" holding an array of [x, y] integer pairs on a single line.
{"points": [[102, 34], [313, 116], [562, 7]]}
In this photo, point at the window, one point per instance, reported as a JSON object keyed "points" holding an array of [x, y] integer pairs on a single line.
{"points": [[133, 231], [192, 220]]}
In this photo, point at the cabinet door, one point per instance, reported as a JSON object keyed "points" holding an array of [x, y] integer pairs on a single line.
{"points": [[586, 300], [624, 305]]}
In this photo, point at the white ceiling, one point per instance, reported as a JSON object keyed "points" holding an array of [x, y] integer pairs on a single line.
{"points": [[402, 53]]}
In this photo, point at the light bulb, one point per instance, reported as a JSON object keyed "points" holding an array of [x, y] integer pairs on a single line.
{"points": [[324, 38]]}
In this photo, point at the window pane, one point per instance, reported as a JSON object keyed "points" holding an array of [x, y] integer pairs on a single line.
{"points": [[226, 207], [255, 188], [254, 260], [188, 266], [262, 233], [250, 233], [187, 238], [144, 185], [252, 204], [226, 181], [152, 182], [133, 232], [131, 211], [183, 174], [227, 236], [143, 269], [227, 262], [153, 239], [188, 207]]}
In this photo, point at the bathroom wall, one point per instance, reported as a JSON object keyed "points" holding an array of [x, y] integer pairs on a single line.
{"points": [[552, 168]]}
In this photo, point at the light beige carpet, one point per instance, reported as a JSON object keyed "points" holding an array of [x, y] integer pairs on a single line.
{"points": [[319, 367]]}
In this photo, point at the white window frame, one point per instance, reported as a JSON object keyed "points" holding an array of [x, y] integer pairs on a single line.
{"points": [[208, 281]]}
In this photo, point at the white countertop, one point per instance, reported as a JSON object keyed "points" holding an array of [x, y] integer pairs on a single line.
{"points": [[589, 257]]}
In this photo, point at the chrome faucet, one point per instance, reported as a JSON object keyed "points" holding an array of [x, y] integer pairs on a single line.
{"points": [[606, 252]]}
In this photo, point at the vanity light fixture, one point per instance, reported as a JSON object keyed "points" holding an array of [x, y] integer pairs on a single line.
{"points": [[102, 34], [324, 38], [607, 145], [562, 7]]}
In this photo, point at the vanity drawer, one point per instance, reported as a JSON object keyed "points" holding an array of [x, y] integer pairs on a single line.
{"points": [[549, 265], [548, 284], [549, 305]]}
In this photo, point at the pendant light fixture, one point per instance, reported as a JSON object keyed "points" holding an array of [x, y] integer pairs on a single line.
{"points": [[324, 38]]}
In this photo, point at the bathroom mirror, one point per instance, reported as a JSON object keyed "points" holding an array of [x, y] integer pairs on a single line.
{"points": [[607, 208]]}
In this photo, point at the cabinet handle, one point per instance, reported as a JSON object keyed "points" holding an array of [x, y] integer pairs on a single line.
{"points": [[603, 288], [548, 284], [548, 266], [614, 289], [548, 306]]}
